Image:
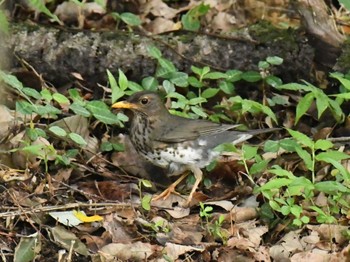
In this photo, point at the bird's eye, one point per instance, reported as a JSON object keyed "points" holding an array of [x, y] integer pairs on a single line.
{"points": [[144, 101]]}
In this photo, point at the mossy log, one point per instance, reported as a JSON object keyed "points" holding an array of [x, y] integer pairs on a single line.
{"points": [[56, 53]]}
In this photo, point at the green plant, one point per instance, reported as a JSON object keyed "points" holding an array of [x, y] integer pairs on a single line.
{"points": [[145, 200], [285, 189], [39, 5], [52, 105], [191, 20], [314, 94], [215, 229], [129, 19]]}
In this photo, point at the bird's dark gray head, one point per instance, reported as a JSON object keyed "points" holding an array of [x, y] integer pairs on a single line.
{"points": [[146, 102]]}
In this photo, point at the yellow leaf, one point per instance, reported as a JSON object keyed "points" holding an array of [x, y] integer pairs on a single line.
{"points": [[83, 217]]}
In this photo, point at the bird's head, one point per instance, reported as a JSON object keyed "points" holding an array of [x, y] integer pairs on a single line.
{"points": [[144, 102]]}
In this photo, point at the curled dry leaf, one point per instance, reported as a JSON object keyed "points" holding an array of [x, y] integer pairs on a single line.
{"points": [[116, 228], [173, 251], [240, 214], [136, 251]]}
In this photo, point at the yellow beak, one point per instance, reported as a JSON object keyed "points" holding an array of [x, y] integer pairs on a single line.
{"points": [[124, 105]]}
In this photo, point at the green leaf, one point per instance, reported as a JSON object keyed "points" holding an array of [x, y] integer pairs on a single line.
{"points": [[303, 105], [106, 147], [197, 100], [166, 67], [25, 107], [190, 20], [135, 87], [299, 186], [150, 83], [271, 146], [101, 112], [289, 144], [254, 107], [75, 96], [276, 183], [345, 3], [227, 87], [209, 92], [345, 96], [117, 92], [274, 205], [296, 87], [335, 155], [258, 167], [282, 172], [46, 94], [211, 166], [39, 5], [344, 172], [31, 92], [146, 183], [225, 147], [194, 82], [61, 99], [15, 83], [58, 131], [340, 77], [285, 210], [168, 86], [215, 75], [11, 80], [273, 81], [122, 80], [179, 79], [296, 210], [47, 110], [323, 144], [336, 110], [263, 65], [27, 249], [130, 19], [233, 75], [251, 76], [306, 157], [301, 138], [274, 60], [118, 147], [321, 102], [177, 96], [305, 219], [36, 150], [77, 139], [146, 202], [154, 52], [331, 187], [249, 152], [199, 111], [79, 110]]}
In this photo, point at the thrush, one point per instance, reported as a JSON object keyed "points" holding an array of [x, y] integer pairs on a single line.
{"points": [[176, 143]]}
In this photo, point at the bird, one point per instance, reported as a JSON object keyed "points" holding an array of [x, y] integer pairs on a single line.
{"points": [[176, 143]]}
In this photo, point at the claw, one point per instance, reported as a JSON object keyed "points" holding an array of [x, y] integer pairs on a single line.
{"points": [[172, 188]]}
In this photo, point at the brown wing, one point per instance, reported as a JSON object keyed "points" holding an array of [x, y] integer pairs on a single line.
{"points": [[180, 129]]}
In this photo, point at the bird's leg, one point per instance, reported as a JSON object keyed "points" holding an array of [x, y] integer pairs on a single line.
{"points": [[198, 174], [171, 189]]}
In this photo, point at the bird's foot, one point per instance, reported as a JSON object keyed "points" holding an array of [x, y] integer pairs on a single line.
{"points": [[166, 193]]}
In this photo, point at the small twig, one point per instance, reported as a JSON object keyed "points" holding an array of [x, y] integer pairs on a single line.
{"points": [[339, 139], [46, 209]]}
